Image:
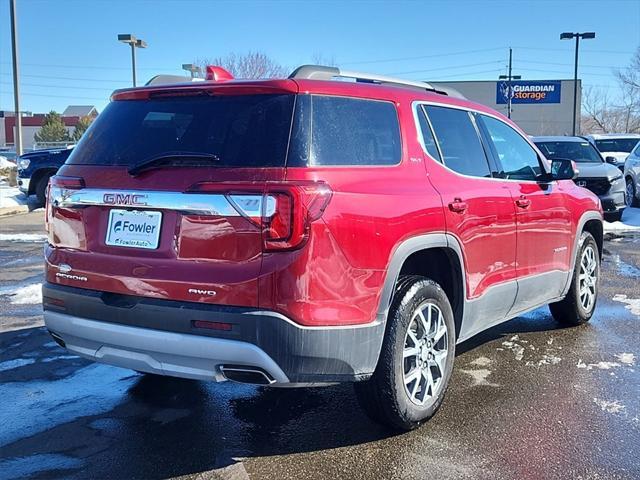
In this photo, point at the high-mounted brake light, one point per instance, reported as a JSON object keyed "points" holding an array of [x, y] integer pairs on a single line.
{"points": [[218, 74]]}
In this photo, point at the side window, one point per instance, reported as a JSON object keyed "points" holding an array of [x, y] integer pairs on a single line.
{"points": [[427, 135], [519, 161], [458, 141], [353, 131]]}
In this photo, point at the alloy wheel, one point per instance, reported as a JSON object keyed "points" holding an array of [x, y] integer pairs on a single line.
{"points": [[425, 353], [588, 278]]}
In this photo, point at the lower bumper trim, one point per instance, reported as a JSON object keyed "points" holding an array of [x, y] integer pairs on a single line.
{"points": [[154, 351]]}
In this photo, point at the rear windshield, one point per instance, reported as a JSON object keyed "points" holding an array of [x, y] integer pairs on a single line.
{"points": [[617, 145], [245, 131], [240, 130], [576, 151]]}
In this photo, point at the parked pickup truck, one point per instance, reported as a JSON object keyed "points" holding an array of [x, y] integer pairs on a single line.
{"points": [[36, 167]]}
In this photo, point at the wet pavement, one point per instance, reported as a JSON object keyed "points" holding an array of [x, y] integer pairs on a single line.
{"points": [[527, 399]]}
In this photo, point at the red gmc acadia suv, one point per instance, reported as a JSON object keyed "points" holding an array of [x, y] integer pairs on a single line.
{"points": [[307, 231]]}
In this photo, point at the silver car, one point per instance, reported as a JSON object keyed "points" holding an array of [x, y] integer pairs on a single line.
{"points": [[614, 147], [632, 177]]}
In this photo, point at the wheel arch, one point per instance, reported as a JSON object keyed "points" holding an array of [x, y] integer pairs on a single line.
{"points": [[39, 174], [437, 256]]}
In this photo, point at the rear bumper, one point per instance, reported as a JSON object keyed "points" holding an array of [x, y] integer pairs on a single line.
{"points": [[159, 336]]}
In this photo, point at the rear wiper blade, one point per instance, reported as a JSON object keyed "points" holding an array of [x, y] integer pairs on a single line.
{"points": [[186, 159]]}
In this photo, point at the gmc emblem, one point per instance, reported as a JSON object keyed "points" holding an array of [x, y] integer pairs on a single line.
{"points": [[124, 199]]}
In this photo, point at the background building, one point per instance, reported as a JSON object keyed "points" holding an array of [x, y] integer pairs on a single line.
{"points": [[31, 123], [539, 107]]}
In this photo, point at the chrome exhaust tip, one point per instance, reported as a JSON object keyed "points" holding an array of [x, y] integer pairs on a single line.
{"points": [[245, 374]]}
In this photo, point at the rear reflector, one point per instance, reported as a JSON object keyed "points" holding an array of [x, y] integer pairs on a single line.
{"points": [[212, 325]]}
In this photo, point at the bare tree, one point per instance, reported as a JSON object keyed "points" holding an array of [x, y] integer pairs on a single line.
{"points": [[320, 59], [247, 65], [603, 115], [630, 76]]}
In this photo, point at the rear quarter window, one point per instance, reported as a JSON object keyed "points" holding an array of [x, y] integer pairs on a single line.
{"points": [[343, 131]]}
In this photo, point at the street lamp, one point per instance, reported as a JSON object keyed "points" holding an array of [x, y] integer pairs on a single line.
{"points": [[577, 36], [194, 70], [135, 43]]}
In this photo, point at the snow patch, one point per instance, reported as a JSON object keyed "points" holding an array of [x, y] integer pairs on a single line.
{"points": [[480, 377], [630, 222], [608, 406], [11, 197], [6, 163], [22, 237], [545, 360], [481, 362], [516, 348], [626, 358], [29, 295], [633, 304], [599, 365]]}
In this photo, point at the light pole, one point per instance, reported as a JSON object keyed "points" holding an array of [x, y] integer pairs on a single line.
{"points": [[135, 43], [16, 89], [194, 70], [577, 36], [508, 78]]}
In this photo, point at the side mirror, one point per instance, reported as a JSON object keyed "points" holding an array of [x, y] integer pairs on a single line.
{"points": [[563, 169], [611, 160]]}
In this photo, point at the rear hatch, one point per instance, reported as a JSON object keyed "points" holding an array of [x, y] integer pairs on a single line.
{"points": [[166, 194]]}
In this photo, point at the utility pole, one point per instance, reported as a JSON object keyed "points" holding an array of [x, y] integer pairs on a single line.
{"points": [[16, 88], [509, 78], [577, 36]]}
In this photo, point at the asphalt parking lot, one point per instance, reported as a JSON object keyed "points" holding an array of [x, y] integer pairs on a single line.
{"points": [[528, 399]]}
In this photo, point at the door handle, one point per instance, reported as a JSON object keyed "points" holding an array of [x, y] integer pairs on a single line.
{"points": [[458, 206], [523, 202]]}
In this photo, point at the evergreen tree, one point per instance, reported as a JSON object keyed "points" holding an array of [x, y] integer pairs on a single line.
{"points": [[81, 127], [52, 130]]}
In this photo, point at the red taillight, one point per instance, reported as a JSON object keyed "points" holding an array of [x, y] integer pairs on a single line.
{"points": [[57, 182], [284, 210], [277, 227], [66, 182]]}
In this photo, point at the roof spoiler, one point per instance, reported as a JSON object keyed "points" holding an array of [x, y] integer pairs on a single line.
{"points": [[322, 72], [171, 79]]}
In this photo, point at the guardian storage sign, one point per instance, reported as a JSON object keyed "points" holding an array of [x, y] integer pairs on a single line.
{"points": [[531, 91]]}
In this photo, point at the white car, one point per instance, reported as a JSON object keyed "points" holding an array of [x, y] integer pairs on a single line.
{"points": [[614, 147]]}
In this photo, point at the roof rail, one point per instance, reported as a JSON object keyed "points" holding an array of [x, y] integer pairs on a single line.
{"points": [[322, 72]]}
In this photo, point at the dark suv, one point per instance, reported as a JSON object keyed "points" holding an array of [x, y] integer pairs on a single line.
{"points": [[602, 178], [308, 231]]}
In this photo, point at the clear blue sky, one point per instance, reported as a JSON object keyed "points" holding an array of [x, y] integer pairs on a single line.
{"points": [[69, 53]]}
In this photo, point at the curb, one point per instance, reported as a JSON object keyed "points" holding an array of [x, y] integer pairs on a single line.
{"points": [[4, 211]]}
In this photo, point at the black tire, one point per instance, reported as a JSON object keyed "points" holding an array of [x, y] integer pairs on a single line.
{"points": [[632, 194], [384, 396], [570, 310], [41, 189]]}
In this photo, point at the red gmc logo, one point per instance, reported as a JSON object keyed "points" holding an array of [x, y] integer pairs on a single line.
{"points": [[124, 199]]}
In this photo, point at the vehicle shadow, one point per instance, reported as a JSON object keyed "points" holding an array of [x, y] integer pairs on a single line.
{"points": [[539, 320], [130, 425]]}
